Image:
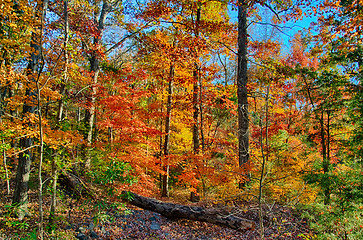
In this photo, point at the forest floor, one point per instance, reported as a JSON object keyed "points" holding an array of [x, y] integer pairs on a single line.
{"points": [[95, 219]]}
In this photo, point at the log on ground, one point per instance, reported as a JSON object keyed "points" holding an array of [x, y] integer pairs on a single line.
{"points": [[175, 211], [74, 186]]}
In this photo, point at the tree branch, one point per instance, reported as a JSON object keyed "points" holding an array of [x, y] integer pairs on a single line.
{"points": [[272, 10], [125, 38], [26, 149]]}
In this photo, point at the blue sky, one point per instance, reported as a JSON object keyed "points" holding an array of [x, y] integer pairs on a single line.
{"points": [[285, 33]]}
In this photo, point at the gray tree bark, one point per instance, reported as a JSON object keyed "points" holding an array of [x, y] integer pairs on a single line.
{"points": [[175, 211]]}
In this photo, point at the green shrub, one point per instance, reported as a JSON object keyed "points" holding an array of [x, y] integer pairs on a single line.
{"points": [[115, 171], [342, 218]]}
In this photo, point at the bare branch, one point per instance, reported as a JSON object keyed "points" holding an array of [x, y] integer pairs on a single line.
{"points": [[7, 114], [226, 46], [125, 38], [272, 10], [24, 150], [82, 90], [51, 72], [278, 28]]}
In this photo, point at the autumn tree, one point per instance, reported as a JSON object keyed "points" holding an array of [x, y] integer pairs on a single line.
{"points": [[243, 122], [95, 56], [15, 21], [328, 76], [193, 24], [34, 70], [90, 27], [248, 9], [343, 39]]}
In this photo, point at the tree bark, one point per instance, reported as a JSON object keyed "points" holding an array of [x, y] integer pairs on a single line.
{"points": [[196, 92], [94, 60], [195, 114], [6, 170], [66, 63], [242, 79], [20, 197], [74, 186], [264, 162], [53, 203], [40, 167], [326, 161], [165, 180], [201, 113], [175, 211]]}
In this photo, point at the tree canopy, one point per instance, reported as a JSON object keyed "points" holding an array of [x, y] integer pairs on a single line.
{"points": [[154, 96]]}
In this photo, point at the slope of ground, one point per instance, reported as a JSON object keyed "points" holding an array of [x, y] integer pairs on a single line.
{"points": [[101, 219]]}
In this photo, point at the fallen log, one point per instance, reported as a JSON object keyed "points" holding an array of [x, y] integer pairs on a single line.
{"points": [[74, 186], [175, 211]]}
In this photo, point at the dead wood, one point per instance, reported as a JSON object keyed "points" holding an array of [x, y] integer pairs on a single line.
{"points": [[176, 211], [74, 186]]}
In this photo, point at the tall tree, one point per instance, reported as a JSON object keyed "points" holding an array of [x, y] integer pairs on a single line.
{"points": [[242, 80], [244, 6], [60, 113], [94, 61], [165, 180], [34, 70], [95, 48], [196, 86]]}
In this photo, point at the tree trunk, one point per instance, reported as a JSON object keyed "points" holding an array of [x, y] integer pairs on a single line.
{"points": [[3, 95], [20, 197], [264, 162], [196, 92], [53, 203], [196, 98], [175, 211], [94, 61], [74, 186], [40, 167], [165, 178], [40, 129], [326, 161], [6, 170], [195, 114], [110, 137], [91, 112], [201, 112], [243, 133]]}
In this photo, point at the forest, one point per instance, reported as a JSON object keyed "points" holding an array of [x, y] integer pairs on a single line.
{"points": [[165, 119]]}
